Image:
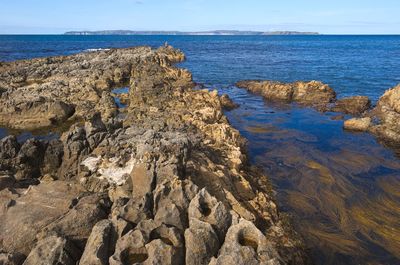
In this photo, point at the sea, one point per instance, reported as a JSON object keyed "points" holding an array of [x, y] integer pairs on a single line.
{"points": [[340, 190]]}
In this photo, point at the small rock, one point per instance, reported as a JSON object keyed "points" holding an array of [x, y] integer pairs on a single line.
{"points": [[358, 124], [227, 102]]}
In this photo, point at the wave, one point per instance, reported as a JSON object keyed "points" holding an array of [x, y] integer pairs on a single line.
{"points": [[96, 50]]}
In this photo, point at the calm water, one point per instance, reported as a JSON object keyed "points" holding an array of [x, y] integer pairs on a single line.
{"points": [[342, 189]]}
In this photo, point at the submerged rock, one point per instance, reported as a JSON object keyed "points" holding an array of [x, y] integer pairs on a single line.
{"points": [[353, 105], [227, 102]]}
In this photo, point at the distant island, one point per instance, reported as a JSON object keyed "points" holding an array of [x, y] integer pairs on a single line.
{"points": [[212, 33]]}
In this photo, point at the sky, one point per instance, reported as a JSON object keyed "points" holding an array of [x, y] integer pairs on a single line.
{"points": [[327, 17]]}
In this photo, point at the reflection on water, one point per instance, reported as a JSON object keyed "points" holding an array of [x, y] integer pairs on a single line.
{"points": [[342, 188], [22, 136], [120, 92]]}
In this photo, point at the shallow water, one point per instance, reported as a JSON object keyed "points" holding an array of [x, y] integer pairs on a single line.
{"points": [[117, 91], [342, 188]]}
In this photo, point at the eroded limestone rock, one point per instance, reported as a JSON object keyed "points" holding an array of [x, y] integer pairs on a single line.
{"points": [[172, 167], [308, 93], [53, 250]]}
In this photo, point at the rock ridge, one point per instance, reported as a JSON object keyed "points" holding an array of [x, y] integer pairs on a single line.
{"points": [[168, 182]]}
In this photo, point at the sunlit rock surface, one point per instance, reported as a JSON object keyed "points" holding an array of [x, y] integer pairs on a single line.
{"points": [[131, 189]]}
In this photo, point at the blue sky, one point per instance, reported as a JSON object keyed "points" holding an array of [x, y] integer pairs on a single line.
{"points": [[330, 17]]}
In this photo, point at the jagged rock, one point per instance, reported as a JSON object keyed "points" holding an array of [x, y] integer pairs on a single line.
{"points": [[9, 147], [76, 146], [201, 243], [6, 181], [45, 209], [94, 125], [387, 111], [130, 249], [160, 252], [206, 208], [308, 93], [53, 250], [358, 124], [52, 159], [99, 246], [143, 179], [121, 227], [78, 222], [135, 210], [150, 162], [245, 244], [30, 157], [11, 259], [353, 105], [41, 92], [227, 103], [171, 199]]}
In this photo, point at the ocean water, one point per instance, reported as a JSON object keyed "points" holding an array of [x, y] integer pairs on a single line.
{"points": [[341, 189]]}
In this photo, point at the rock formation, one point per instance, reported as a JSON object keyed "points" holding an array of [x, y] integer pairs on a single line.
{"points": [[387, 111], [314, 93], [166, 183], [382, 121], [311, 93]]}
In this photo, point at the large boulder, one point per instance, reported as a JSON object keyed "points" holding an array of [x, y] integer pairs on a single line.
{"points": [[246, 245]]}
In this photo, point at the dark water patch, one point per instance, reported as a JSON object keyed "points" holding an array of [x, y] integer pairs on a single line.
{"points": [[22, 136], [46, 133]]}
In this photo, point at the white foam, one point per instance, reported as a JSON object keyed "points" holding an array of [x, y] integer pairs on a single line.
{"points": [[96, 50]]}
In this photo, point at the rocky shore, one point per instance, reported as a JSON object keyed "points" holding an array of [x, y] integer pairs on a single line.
{"points": [[381, 120], [166, 182]]}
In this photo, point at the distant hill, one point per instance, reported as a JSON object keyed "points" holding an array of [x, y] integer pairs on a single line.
{"points": [[214, 32]]}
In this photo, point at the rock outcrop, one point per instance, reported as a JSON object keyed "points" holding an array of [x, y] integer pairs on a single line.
{"points": [[48, 91], [356, 105], [167, 183], [311, 93], [387, 111], [314, 93]]}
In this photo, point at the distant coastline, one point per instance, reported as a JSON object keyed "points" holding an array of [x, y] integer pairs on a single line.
{"points": [[206, 33]]}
